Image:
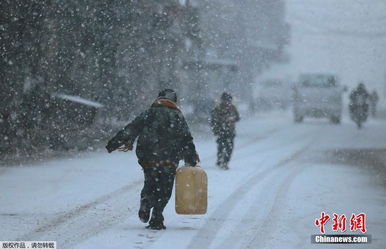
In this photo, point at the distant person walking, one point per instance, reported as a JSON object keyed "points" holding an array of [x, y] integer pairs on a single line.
{"points": [[163, 140], [223, 121], [359, 105], [373, 98]]}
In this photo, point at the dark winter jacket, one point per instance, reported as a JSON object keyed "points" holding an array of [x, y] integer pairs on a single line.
{"points": [[359, 96], [163, 136], [223, 118]]}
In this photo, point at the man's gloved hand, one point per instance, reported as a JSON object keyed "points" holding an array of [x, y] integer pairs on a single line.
{"points": [[198, 158], [109, 149], [111, 146], [126, 147], [192, 162]]}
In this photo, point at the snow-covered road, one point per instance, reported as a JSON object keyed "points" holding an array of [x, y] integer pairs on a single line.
{"points": [[282, 176]]}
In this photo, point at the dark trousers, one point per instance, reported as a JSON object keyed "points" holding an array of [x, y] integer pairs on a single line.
{"points": [[157, 189], [224, 149], [373, 108]]}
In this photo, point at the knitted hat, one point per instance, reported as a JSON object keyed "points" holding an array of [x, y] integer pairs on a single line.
{"points": [[169, 94]]}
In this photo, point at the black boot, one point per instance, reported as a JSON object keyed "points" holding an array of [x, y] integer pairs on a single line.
{"points": [[156, 226], [222, 165], [157, 220], [144, 211]]}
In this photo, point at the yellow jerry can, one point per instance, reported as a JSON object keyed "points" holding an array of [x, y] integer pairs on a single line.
{"points": [[191, 190]]}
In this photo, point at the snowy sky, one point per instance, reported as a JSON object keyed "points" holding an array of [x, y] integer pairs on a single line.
{"points": [[347, 37]]}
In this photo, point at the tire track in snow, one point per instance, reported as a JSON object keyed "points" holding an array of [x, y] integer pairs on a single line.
{"points": [[87, 220], [263, 228], [201, 239], [259, 231], [263, 195]]}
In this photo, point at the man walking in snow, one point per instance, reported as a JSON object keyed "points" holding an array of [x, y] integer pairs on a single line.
{"points": [[223, 122], [163, 140]]}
